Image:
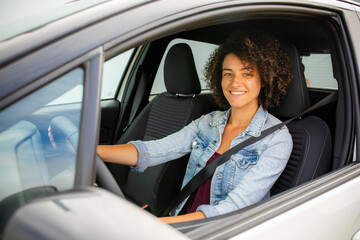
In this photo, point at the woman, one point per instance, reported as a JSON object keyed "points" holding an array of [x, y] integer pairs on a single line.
{"points": [[249, 73]]}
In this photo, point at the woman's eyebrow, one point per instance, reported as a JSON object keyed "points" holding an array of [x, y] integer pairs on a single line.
{"points": [[247, 68], [241, 69]]}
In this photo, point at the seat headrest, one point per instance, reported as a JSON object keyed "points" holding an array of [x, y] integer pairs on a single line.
{"points": [[179, 71], [297, 98]]}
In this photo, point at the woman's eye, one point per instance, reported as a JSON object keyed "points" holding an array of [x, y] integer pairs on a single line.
{"points": [[227, 74], [248, 75]]}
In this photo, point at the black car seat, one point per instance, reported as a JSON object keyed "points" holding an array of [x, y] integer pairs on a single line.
{"points": [[165, 114], [312, 146]]}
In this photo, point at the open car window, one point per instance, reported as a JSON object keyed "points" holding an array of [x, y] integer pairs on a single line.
{"points": [[319, 70]]}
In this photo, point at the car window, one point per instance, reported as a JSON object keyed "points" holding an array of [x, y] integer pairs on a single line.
{"points": [[319, 71], [112, 73], [74, 95], [38, 142], [201, 52]]}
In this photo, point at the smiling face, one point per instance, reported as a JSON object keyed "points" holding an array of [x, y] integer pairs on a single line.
{"points": [[240, 83]]}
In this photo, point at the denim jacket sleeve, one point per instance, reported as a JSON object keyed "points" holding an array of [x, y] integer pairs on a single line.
{"points": [[174, 146], [261, 177]]}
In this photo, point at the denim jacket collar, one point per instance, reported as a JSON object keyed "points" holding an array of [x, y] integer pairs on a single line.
{"points": [[255, 127]]}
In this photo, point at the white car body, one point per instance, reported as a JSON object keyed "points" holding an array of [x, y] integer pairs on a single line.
{"points": [[324, 208]]}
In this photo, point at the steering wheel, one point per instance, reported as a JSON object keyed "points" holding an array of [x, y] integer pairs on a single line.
{"points": [[105, 179], [62, 127]]}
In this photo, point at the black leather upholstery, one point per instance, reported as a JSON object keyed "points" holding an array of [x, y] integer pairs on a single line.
{"points": [[165, 114], [311, 154]]}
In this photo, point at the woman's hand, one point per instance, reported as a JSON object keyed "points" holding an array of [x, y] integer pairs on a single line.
{"points": [[183, 218]]}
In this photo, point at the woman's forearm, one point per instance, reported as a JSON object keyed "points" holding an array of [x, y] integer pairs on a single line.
{"points": [[125, 154]]}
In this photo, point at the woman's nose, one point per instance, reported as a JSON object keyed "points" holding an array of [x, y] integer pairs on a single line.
{"points": [[236, 80]]}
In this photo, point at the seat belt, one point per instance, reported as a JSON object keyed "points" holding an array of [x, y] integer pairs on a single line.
{"points": [[210, 168], [138, 98], [139, 93]]}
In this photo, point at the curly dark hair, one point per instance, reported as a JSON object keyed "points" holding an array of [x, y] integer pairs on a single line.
{"points": [[256, 48]]}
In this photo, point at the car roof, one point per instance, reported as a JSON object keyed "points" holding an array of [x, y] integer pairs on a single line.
{"points": [[22, 39], [21, 16]]}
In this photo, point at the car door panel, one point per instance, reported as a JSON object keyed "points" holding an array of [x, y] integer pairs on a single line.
{"points": [[315, 219]]}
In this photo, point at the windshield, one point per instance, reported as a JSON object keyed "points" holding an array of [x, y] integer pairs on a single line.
{"points": [[20, 16]]}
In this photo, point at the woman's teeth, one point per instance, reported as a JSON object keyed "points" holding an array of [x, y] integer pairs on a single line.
{"points": [[237, 93]]}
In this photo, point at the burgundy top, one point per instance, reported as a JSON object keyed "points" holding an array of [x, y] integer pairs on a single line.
{"points": [[202, 194]]}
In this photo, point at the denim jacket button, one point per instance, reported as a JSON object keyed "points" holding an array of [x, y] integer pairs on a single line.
{"points": [[215, 141], [198, 165]]}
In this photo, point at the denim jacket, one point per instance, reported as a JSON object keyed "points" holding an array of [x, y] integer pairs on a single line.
{"points": [[248, 175]]}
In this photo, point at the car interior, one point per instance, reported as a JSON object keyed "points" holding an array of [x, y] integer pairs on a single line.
{"points": [[323, 139], [316, 136]]}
